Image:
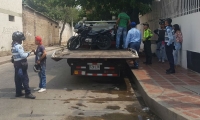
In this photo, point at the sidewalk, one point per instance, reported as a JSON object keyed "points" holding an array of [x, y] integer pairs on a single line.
{"points": [[6, 59], [171, 97]]}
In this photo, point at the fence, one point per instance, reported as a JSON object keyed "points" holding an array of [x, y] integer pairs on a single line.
{"points": [[171, 9]]}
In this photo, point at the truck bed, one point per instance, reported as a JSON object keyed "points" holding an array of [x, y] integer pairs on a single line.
{"points": [[94, 54]]}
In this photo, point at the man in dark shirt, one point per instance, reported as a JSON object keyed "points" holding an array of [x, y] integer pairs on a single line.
{"points": [[161, 41], [40, 59]]}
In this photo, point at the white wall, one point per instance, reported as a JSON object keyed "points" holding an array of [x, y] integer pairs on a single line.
{"points": [[11, 5], [14, 8], [191, 35], [67, 33], [153, 46]]}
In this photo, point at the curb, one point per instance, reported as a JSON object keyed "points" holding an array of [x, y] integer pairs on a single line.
{"points": [[7, 61], [160, 110]]}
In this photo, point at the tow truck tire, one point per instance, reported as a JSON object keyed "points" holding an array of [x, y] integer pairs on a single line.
{"points": [[103, 42]]}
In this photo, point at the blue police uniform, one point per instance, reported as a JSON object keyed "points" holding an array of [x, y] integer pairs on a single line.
{"points": [[21, 65], [169, 45]]}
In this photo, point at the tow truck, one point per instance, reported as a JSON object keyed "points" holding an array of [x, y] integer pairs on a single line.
{"points": [[85, 62]]}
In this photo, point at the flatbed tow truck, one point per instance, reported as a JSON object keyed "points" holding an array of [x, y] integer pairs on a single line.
{"points": [[85, 62], [96, 62]]}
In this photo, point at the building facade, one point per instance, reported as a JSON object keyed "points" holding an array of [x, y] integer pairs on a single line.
{"points": [[11, 20], [186, 13], [15, 16], [37, 24]]}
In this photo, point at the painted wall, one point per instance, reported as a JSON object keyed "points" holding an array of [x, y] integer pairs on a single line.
{"points": [[67, 33], [190, 29], [191, 37], [14, 8], [36, 24]]}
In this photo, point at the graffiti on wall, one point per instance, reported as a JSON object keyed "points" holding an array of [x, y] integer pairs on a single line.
{"points": [[28, 33]]}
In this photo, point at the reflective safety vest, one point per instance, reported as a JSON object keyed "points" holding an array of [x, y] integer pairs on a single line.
{"points": [[147, 34]]}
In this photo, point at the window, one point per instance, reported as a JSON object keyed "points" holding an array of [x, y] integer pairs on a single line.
{"points": [[11, 18]]}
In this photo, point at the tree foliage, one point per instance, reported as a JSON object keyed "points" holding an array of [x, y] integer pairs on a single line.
{"points": [[105, 9], [93, 9], [57, 10]]}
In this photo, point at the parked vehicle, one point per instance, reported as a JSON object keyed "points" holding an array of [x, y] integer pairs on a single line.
{"points": [[86, 36], [85, 62]]}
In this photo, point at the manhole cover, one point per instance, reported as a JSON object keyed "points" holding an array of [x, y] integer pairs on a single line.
{"points": [[193, 88]]}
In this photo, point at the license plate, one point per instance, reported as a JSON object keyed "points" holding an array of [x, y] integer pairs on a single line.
{"points": [[94, 67]]}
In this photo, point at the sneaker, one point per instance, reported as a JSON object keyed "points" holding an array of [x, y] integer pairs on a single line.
{"points": [[163, 61], [36, 89], [30, 96], [159, 60], [42, 90]]}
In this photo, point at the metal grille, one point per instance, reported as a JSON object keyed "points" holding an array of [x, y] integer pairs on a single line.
{"points": [[171, 9]]}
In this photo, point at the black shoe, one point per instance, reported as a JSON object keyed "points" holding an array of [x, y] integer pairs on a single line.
{"points": [[23, 88], [144, 62], [30, 96], [170, 72], [149, 63], [19, 95]]}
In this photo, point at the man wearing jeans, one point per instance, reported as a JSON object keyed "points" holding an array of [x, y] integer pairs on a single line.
{"points": [[40, 59], [122, 22], [160, 42], [134, 40], [169, 45]]}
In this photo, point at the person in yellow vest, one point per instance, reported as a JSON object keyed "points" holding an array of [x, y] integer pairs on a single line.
{"points": [[147, 44]]}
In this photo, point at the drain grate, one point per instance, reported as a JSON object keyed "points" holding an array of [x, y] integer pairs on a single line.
{"points": [[192, 88]]}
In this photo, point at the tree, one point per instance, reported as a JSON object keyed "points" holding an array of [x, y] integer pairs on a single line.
{"points": [[55, 9], [105, 9]]}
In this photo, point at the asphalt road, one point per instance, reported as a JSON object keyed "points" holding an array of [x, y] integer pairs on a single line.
{"points": [[68, 97]]}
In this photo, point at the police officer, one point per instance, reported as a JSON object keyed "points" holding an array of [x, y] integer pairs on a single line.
{"points": [[169, 45], [147, 44], [20, 65]]}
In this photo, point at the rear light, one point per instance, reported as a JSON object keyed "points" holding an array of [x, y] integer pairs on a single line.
{"points": [[75, 72]]}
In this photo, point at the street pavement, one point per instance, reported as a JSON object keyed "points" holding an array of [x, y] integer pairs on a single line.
{"points": [[69, 97]]}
